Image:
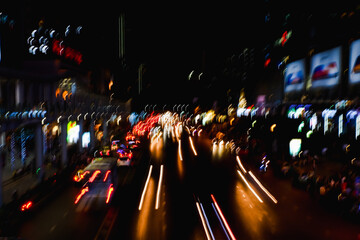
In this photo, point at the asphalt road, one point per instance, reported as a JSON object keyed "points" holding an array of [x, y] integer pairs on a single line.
{"points": [[191, 193]]}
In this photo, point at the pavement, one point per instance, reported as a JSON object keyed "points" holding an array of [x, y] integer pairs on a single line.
{"points": [[17, 181]]}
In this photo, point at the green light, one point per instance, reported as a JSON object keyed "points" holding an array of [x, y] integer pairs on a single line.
{"points": [[37, 171], [308, 134], [253, 123], [301, 125]]}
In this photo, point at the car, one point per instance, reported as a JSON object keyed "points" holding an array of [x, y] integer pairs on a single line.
{"points": [[133, 144], [101, 183], [124, 157]]}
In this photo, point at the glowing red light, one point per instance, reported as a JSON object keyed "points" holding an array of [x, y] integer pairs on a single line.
{"points": [[26, 206], [97, 172], [267, 62], [110, 191], [106, 175], [81, 194], [284, 38], [67, 52]]}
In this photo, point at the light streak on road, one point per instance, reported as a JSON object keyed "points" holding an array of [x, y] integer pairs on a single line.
{"points": [[223, 220], [192, 146], [145, 187], [240, 165], [204, 221], [263, 188], [221, 223], [157, 203], [248, 185], [179, 150]]}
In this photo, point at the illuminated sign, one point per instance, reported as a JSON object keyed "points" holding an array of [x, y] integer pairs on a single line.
{"points": [[325, 68], [295, 146], [294, 77], [341, 125], [357, 127], [72, 132], [354, 62]]}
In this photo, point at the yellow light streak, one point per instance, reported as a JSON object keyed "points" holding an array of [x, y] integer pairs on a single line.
{"points": [[248, 185], [240, 165], [179, 150], [263, 188], [145, 187], [157, 203], [192, 146]]}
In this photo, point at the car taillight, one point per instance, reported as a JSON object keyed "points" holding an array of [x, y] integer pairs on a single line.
{"points": [[76, 178], [26, 206], [81, 194], [97, 172], [109, 193], [81, 177], [106, 175]]}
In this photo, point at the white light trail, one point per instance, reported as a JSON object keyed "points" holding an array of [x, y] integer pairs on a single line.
{"points": [[248, 185], [145, 187], [240, 165], [204, 221], [192, 146], [179, 148], [223, 218], [157, 203], [263, 188]]}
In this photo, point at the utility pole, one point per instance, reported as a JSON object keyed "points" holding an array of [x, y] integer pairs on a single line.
{"points": [[121, 36]]}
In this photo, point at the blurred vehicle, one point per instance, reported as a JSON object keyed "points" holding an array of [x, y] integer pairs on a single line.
{"points": [[101, 183], [124, 157], [133, 144], [115, 145]]}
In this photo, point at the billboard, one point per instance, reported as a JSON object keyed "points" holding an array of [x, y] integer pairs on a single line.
{"points": [[354, 62], [294, 77], [325, 68]]}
